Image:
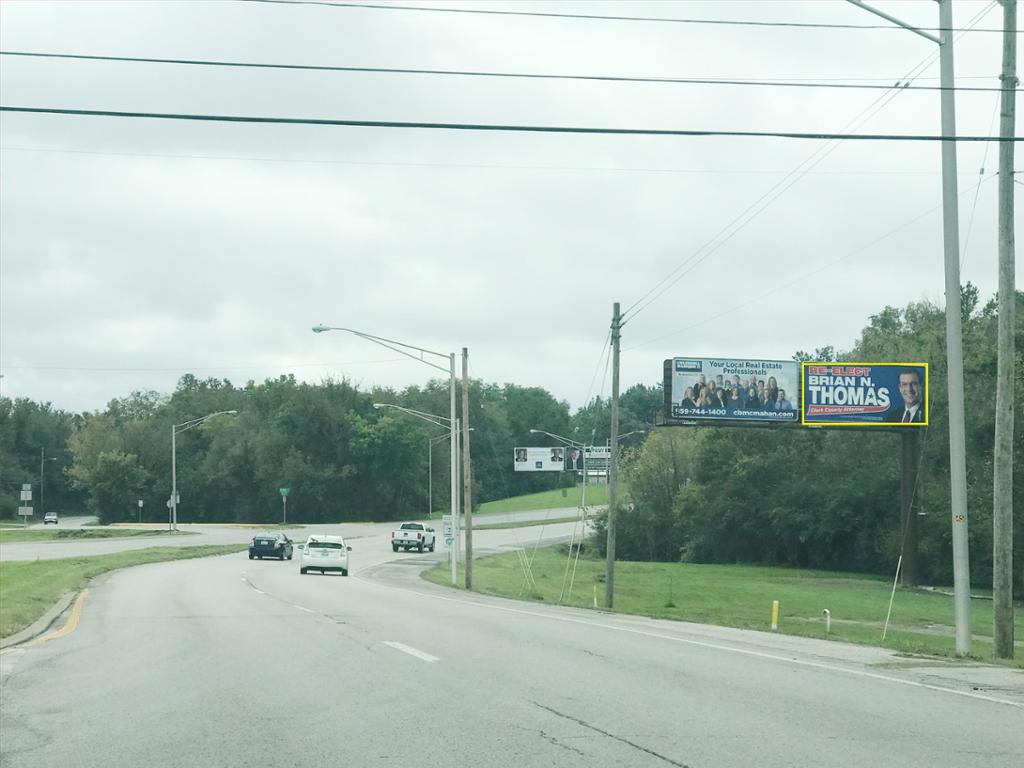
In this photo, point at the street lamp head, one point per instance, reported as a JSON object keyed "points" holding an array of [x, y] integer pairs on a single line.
{"points": [[231, 412], [320, 328], [379, 405], [534, 431]]}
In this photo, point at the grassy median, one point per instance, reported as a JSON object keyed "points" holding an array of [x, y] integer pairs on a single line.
{"points": [[596, 495], [29, 588], [9, 536], [741, 596]]}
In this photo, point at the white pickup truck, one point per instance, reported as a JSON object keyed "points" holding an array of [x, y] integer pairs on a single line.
{"points": [[413, 536]]}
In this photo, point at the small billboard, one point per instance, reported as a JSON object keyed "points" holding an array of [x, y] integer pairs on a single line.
{"points": [[726, 389], [546, 459], [865, 394]]}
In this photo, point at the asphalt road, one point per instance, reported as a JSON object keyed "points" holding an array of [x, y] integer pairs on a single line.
{"points": [[231, 662], [220, 534]]}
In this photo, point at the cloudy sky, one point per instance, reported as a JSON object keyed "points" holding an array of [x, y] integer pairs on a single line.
{"points": [[133, 251]]}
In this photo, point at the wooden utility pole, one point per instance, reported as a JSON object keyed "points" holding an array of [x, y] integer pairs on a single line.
{"points": [[613, 465], [1002, 475], [467, 470], [911, 460]]}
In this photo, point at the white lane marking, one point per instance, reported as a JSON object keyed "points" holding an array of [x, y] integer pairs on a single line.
{"points": [[411, 651], [303, 609], [711, 646]]}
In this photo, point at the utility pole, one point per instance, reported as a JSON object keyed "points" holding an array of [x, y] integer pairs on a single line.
{"points": [[467, 477], [42, 465], [1002, 486], [613, 464]]}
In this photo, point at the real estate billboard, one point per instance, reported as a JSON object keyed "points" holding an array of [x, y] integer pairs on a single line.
{"points": [[728, 389]]}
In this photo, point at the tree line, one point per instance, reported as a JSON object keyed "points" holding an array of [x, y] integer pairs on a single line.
{"points": [[815, 498], [829, 498]]}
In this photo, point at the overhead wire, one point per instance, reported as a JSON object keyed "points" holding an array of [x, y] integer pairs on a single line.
{"points": [[775, 192], [806, 275], [606, 17], [498, 127], [977, 189], [491, 74]]}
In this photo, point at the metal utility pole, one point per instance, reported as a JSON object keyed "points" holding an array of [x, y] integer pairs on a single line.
{"points": [[954, 336], [1002, 486], [613, 464], [454, 434], [42, 465], [467, 476]]}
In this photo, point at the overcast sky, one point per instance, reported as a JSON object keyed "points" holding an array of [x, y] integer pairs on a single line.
{"points": [[134, 251]]}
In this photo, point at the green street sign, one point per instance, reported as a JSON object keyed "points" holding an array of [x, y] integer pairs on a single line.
{"points": [[284, 491]]}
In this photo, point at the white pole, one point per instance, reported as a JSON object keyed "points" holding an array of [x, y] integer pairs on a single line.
{"points": [[174, 479], [454, 472], [954, 340], [430, 479]]}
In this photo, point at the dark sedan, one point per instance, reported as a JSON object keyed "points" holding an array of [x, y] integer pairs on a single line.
{"points": [[270, 545]]}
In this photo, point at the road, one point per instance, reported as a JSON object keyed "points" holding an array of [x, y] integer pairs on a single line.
{"points": [[220, 534], [230, 662]]}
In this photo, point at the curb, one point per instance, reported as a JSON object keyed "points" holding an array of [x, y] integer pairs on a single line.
{"points": [[40, 625]]}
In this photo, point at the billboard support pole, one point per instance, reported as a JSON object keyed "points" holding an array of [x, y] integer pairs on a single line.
{"points": [[613, 464], [910, 460]]}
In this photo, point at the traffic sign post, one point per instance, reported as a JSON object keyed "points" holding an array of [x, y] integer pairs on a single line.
{"points": [[284, 504], [140, 510], [25, 512]]}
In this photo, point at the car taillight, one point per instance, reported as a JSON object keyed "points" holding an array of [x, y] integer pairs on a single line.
{"points": [[419, 536]]}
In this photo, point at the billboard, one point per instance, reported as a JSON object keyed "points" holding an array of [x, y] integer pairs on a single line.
{"points": [[548, 459], [865, 394], [724, 389]]}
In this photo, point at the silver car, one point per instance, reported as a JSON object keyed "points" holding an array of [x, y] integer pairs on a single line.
{"points": [[324, 553]]}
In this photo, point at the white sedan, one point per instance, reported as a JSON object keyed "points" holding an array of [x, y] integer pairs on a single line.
{"points": [[324, 553]]}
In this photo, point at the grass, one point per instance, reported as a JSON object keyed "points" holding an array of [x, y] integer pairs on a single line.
{"points": [[8, 536], [524, 524], [596, 495], [741, 596], [28, 589]]}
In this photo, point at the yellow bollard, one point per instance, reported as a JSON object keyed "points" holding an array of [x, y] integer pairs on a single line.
{"points": [[775, 615]]}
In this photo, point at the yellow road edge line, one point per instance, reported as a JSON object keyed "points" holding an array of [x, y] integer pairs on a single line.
{"points": [[69, 626]]}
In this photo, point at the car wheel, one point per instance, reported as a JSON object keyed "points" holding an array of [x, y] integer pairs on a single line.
{"points": [[344, 571], [419, 547], [432, 545], [394, 547], [250, 555], [302, 571]]}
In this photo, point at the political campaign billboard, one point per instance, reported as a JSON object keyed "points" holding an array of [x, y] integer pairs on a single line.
{"points": [[547, 459], [726, 389], [865, 394]]}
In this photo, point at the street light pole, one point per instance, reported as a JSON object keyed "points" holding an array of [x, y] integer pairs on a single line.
{"points": [[408, 350], [175, 429], [954, 332]]}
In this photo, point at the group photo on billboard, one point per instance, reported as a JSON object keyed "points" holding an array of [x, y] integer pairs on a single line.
{"points": [[735, 390], [865, 394]]}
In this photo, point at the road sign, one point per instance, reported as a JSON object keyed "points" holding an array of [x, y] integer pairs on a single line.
{"points": [[26, 495], [446, 522], [284, 491], [448, 541], [25, 511], [26, 486]]}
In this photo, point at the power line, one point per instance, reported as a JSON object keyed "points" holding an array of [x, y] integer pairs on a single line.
{"points": [[495, 127], [472, 166], [806, 275], [767, 83], [601, 17], [187, 368], [761, 204]]}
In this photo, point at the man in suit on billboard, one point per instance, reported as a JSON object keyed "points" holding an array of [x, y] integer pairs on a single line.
{"points": [[912, 392]]}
